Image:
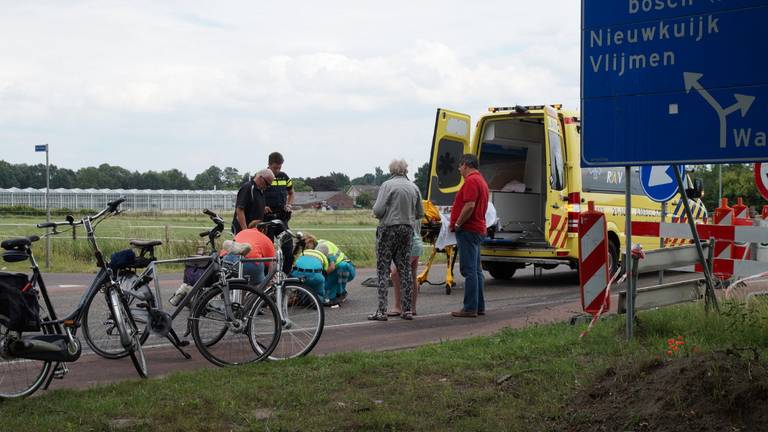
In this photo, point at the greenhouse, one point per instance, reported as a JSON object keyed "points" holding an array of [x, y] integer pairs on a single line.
{"points": [[142, 200]]}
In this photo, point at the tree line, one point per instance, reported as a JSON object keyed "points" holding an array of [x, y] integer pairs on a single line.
{"points": [[107, 176], [738, 181]]}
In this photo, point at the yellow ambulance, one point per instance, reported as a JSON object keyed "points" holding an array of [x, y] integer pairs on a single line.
{"points": [[530, 157]]}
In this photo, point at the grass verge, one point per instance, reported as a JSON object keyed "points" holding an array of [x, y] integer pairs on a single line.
{"points": [[515, 380]]}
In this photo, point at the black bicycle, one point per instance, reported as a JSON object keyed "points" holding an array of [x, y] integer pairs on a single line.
{"points": [[231, 322], [34, 350]]}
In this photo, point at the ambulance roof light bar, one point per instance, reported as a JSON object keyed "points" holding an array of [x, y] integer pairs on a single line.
{"points": [[523, 109]]}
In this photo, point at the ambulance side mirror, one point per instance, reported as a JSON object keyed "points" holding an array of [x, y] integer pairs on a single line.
{"points": [[697, 191]]}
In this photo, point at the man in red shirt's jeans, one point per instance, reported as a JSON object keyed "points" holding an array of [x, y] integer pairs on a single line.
{"points": [[468, 221]]}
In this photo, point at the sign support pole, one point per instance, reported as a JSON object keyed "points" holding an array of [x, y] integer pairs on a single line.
{"points": [[47, 208], [710, 298], [719, 182], [628, 255], [661, 239]]}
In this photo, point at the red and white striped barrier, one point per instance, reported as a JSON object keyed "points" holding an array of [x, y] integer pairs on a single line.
{"points": [[740, 268], [741, 218], [723, 268], [593, 260], [706, 231], [723, 216]]}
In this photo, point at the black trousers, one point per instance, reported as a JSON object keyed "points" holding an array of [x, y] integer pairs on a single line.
{"points": [[286, 247]]}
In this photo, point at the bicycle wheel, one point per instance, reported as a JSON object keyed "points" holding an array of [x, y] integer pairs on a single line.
{"points": [[20, 377], [250, 311], [100, 328], [303, 321], [129, 334]]}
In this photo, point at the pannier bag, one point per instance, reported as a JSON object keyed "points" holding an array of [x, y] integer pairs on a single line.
{"points": [[194, 270], [127, 259], [19, 309]]}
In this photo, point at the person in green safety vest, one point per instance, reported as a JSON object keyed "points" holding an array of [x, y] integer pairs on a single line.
{"points": [[312, 265], [341, 269]]}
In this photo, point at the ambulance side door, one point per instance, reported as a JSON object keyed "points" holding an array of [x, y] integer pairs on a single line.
{"points": [[449, 142], [556, 207]]}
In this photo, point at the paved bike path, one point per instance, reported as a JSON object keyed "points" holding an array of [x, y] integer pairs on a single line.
{"points": [[92, 370]]}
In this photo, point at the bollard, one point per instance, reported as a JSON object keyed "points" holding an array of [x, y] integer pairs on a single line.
{"points": [[741, 218], [723, 248]]}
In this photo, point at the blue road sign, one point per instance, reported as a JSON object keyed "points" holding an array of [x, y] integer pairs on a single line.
{"points": [[659, 181], [671, 81], [41, 147]]}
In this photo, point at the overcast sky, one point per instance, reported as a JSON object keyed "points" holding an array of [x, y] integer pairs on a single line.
{"points": [[334, 85]]}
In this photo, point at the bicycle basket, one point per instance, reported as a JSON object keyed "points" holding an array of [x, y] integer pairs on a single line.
{"points": [[19, 308]]}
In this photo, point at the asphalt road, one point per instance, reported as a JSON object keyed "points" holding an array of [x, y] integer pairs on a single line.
{"points": [[526, 299]]}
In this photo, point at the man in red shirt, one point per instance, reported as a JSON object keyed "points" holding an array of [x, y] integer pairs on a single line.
{"points": [[468, 221]]}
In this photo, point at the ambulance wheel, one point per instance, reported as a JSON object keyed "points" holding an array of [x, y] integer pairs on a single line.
{"points": [[501, 271], [613, 257]]}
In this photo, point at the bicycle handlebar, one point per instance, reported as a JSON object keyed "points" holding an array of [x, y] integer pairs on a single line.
{"points": [[112, 207], [214, 217]]}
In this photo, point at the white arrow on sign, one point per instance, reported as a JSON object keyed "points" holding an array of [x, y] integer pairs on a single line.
{"points": [[659, 176], [743, 103]]}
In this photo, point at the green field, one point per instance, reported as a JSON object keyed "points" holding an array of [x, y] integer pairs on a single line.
{"points": [[353, 231]]}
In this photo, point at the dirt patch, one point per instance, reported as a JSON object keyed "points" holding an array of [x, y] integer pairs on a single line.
{"points": [[723, 391]]}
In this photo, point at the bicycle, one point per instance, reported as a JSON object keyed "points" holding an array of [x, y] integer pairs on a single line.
{"points": [[301, 312], [32, 357], [220, 304]]}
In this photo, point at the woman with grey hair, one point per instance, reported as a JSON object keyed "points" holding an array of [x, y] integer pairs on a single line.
{"points": [[398, 206], [398, 167]]}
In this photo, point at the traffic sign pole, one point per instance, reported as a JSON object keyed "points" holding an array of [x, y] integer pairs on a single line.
{"points": [[627, 260], [710, 298], [47, 208], [661, 239], [44, 148]]}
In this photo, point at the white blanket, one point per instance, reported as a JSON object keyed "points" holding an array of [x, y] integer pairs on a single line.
{"points": [[447, 238]]}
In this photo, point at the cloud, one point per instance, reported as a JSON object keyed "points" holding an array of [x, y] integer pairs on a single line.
{"points": [[181, 80]]}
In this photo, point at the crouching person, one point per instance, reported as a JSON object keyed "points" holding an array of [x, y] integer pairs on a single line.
{"points": [[261, 247], [341, 269], [312, 266]]}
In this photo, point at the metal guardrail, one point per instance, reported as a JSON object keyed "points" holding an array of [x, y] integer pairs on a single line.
{"points": [[670, 293], [669, 258], [664, 295]]}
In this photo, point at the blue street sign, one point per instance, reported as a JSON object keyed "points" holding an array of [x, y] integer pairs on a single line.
{"points": [[672, 81], [41, 148], [659, 181]]}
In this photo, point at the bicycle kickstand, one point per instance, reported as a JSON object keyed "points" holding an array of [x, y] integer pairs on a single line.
{"points": [[178, 343]]}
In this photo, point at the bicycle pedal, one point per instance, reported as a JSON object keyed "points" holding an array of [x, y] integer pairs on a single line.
{"points": [[61, 371], [141, 305], [183, 343]]}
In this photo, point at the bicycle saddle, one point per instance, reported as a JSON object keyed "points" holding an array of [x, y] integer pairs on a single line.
{"points": [[18, 243], [145, 243]]}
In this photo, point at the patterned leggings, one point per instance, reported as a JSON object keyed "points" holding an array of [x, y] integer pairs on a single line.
{"points": [[393, 244]]}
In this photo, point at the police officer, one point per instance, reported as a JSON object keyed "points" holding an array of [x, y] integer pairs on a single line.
{"points": [[279, 198]]}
